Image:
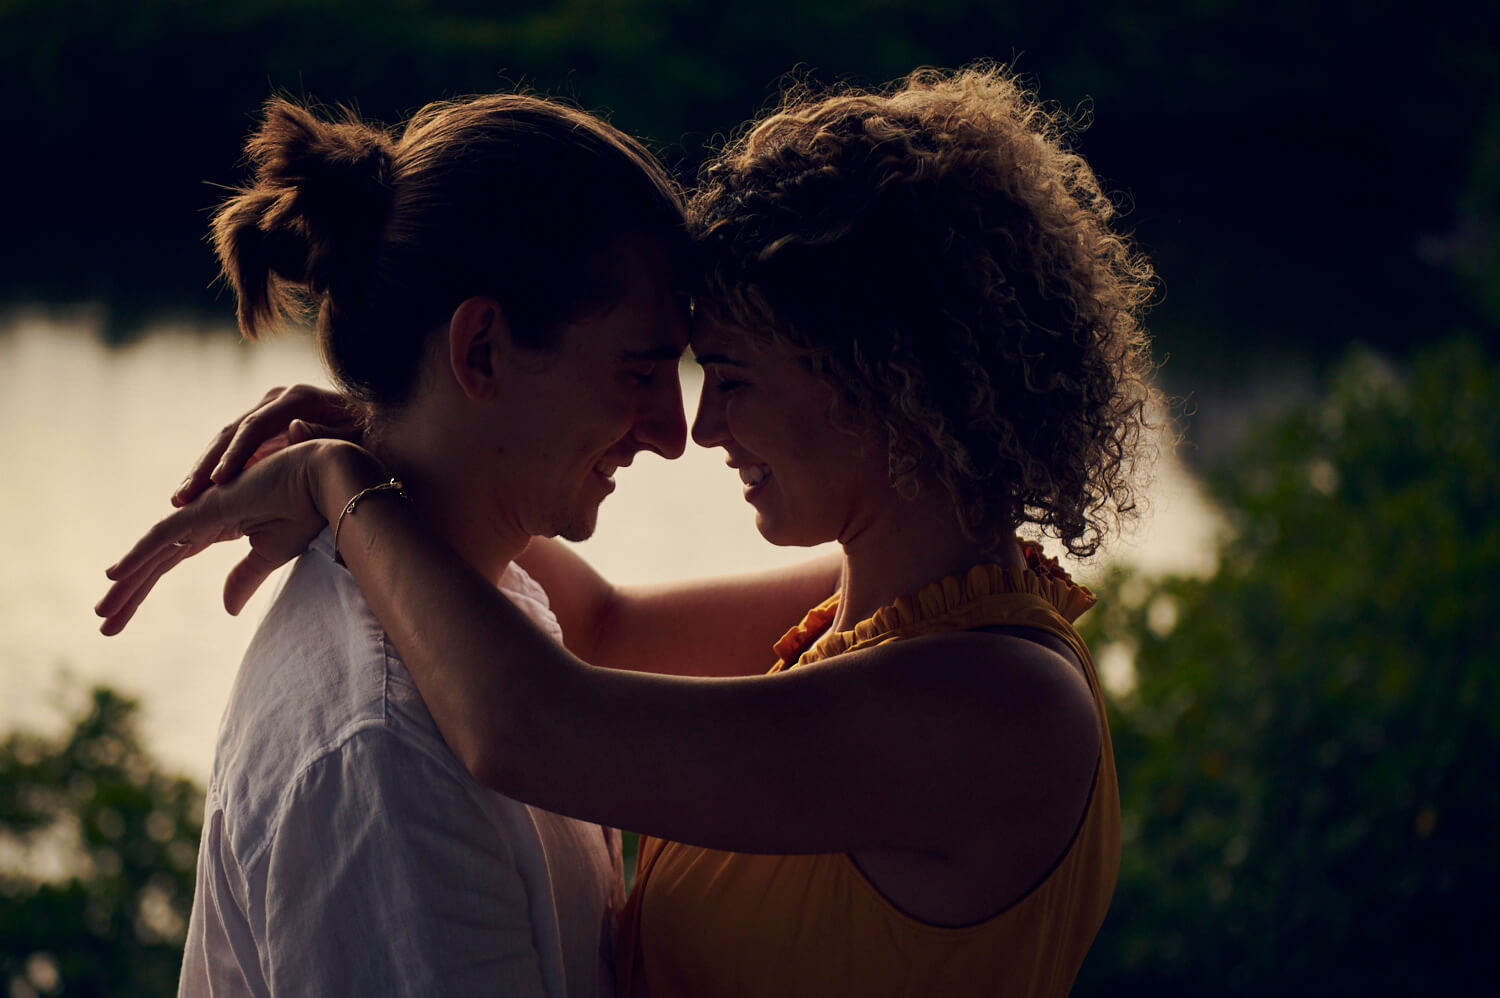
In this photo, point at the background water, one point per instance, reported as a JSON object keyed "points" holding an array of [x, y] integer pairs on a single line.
{"points": [[96, 438]]}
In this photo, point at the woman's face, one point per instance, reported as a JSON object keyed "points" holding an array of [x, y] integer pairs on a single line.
{"points": [[808, 480]]}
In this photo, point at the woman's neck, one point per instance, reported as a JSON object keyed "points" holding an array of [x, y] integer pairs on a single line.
{"points": [[897, 554]]}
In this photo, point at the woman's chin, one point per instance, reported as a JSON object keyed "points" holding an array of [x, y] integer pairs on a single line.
{"points": [[783, 534]]}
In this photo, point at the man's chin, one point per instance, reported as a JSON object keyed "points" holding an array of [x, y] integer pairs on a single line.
{"points": [[578, 530]]}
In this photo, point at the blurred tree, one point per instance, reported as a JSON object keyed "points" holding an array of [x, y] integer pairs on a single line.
{"points": [[98, 850], [1287, 160], [1472, 247], [1307, 755]]}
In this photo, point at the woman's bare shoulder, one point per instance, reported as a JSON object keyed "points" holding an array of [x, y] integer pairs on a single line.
{"points": [[1003, 696]]}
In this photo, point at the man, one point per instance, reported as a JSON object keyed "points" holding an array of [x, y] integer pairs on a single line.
{"points": [[345, 849], [495, 290]]}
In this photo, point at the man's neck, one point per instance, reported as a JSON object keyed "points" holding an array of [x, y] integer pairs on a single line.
{"points": [[452, 500]]}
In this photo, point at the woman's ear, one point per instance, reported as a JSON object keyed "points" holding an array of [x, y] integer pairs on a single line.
{"points": [[478, 341]]}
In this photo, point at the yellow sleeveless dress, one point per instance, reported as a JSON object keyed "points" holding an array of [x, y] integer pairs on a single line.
{"points": [[702, 923]]}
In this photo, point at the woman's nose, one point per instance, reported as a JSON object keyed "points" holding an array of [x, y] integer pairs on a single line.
{"points": [[709, 429]]}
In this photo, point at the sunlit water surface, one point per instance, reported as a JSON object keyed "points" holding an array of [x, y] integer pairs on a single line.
{"points": [[96, 438]]}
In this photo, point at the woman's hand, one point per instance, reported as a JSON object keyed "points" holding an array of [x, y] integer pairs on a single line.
{"points": [[280, 504], [285, 416]]}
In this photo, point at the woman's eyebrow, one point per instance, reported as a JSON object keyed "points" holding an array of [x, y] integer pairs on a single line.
{"points": [[704, 359], [667, 351]]}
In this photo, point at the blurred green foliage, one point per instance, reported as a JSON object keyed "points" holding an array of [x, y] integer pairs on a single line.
{"points": [[1307, 758], [98, 851]]}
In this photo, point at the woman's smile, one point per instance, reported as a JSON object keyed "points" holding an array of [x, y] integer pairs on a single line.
{"points": [[753, 476], [806, 478]]}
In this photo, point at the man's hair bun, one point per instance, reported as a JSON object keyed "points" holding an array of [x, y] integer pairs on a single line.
{"points": [[382, 233], [310, 220]]}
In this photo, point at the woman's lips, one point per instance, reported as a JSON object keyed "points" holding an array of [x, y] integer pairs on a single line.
{"points": [[754, 478], [754, 474]]}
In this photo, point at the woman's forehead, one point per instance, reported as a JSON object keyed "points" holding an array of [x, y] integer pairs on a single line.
{"points": [[711, 335]]}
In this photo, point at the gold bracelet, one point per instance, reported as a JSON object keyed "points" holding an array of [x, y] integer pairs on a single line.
{"points": [[394, 485]]}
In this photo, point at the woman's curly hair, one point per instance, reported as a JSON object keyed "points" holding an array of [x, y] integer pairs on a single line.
{"points": [[938, 252]]}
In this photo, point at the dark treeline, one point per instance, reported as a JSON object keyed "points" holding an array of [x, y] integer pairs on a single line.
{"points": [[1303, 174]]}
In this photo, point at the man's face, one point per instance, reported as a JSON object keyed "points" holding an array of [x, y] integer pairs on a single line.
{"points": [[572, 416]]}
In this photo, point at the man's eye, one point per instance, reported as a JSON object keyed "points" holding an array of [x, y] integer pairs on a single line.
{"points": [[641, 377], [727, 385]]}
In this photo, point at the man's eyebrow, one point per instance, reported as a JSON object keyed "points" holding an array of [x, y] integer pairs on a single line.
{"points": [[704, 359], [666, 351]]}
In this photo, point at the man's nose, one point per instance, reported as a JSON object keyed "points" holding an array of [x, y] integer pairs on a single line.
{"points": [[660, 425]]}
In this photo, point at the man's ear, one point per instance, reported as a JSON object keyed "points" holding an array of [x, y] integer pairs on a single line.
{"points": [[478, 342]]}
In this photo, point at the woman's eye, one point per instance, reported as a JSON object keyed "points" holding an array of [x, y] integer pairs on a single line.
{"points": [[727, 385], [641, 377]]}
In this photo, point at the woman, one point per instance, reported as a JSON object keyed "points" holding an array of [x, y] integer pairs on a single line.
{"points": [[919, 335]]}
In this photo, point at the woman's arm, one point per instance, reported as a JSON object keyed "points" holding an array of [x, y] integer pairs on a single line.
{"points": [[707, 627], [726, 625], [282, 417], [935, 744], [912, 745]]}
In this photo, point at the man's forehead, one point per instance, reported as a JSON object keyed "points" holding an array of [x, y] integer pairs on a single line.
{"points": [[656, 330], [665, 350]]}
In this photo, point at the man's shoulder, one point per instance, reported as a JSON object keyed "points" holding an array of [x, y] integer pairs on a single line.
{"points": [[319, 673], [370, 764], [315, 664], [321, 688], [377, 838]]}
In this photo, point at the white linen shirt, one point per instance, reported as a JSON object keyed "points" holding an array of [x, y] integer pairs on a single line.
{"points": [[346, 851]]}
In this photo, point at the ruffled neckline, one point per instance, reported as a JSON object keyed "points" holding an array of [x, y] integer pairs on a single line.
{"points": [[964, 600]]}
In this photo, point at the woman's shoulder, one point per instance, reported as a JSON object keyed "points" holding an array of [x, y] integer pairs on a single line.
{"points": [[1023, 681], [1010, 738], [1004, 657]]}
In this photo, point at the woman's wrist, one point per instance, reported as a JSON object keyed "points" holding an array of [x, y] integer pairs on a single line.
{"points": [[337, 470]]}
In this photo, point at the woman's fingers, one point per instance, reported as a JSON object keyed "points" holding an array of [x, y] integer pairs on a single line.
{"points": [[302, 429], [299, 431], [271, 504], [213, 457], [280, 441], [199, 478], [170, 541], [245, 578], [195, 524], [126, 596], [271, 420], [175, 537], [258, 427], [128, 580], [266, 428], [166, 534]]}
